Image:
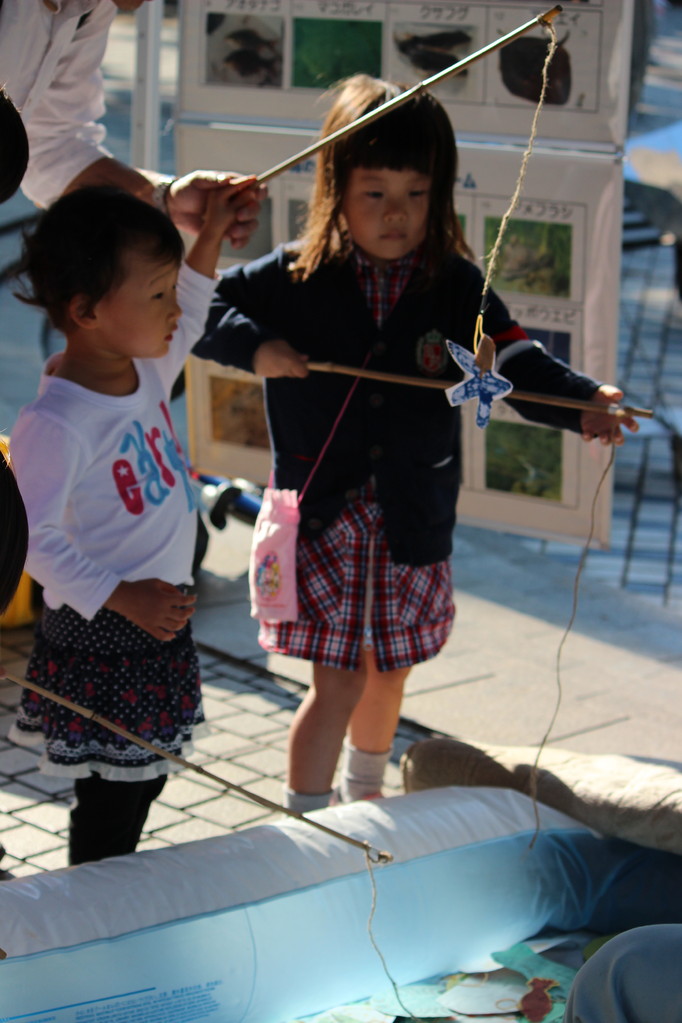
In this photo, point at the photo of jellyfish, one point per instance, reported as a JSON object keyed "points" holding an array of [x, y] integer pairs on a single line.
{"points": [[327, 50], [535, 257], [521, 63], [428, 49], [244, 49]]}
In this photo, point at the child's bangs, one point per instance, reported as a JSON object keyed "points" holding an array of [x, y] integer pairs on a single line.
{"points": [[408, 137], [400, 140]]}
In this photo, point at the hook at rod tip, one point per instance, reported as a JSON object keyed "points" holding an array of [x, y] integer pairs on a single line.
{"points": [[548, 16]]}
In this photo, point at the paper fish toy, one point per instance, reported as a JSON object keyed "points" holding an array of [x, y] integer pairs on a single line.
{"points": [[487, 386]]}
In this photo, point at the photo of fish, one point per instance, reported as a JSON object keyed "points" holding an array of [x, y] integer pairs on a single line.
{"points": [[521, 63], [243, 49], [427, 49], [327, 50], [535, 257]]}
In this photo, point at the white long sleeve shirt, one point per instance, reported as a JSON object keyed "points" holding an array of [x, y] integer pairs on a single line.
{"points": [[104, 479], [51, 68]]}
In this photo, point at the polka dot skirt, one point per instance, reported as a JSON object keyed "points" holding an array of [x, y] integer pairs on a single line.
{"points": [[120, 672]]}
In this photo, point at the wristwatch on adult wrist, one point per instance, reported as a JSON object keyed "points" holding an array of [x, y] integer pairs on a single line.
{"points": [[161, 194]]}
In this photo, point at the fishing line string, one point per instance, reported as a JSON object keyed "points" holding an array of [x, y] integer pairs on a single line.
{"points": [[574, 610], [494, 254]]}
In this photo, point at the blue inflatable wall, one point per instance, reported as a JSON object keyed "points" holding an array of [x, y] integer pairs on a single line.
{"points": [[269, 924]]}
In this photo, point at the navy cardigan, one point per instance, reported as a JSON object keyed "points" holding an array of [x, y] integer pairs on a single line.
{"points": [[407, 438]]}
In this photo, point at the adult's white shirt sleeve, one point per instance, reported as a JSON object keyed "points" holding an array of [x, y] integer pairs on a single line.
{"points": [[48, 458], [62, 123]]}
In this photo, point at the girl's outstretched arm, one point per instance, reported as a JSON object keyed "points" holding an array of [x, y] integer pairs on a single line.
{"points": [[278, 359], [154, 605], [222, 208], [245, 311]]}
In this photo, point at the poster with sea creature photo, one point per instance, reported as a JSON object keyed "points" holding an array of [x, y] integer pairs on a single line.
{"points": [[573, 76], [228, 433], [274, 61], [535, 256], [523, 459], [587, 79], [419, 48], [542, 249], [325, 50], [244, 49], [558, 275]]}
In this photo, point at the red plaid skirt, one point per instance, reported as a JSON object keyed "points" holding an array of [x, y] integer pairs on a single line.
{"points": [[406, 618]]}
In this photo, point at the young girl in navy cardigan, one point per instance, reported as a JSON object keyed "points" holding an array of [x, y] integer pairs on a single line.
{"points": [[381, 277]]}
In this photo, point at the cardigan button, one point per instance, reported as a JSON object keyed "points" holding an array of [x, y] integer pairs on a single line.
{"points": [[376, 452], [315, 523], [376, 400], [379, 348]]}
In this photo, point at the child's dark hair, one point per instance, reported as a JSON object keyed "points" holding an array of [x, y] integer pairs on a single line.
{"points": [[13, 147], [416, 135], [13, 532], [79, 245]]}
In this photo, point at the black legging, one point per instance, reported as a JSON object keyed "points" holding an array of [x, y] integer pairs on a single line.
{"points": [[108, 816]]}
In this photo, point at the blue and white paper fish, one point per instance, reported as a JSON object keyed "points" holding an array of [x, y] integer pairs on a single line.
{"points": [[487, 386]]}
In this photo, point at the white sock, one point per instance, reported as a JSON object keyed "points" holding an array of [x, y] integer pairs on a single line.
{"points": [[304, 802], [361, 773]]}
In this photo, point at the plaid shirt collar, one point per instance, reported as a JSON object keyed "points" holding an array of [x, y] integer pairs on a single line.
{"points": [[382, 287]]}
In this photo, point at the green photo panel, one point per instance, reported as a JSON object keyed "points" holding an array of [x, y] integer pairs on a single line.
{"points": [[522, 459], [535, 257], [327, 50]]}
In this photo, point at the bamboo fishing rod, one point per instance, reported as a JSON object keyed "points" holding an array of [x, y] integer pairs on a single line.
{"points": [[375, 855], [408, 94], [619, 411]]}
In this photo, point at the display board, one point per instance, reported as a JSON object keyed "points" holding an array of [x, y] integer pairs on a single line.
{"points": [[559, 276], [272, 61]]}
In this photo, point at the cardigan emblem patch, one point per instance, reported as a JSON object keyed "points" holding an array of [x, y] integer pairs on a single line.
{"points": [[432, 353]]}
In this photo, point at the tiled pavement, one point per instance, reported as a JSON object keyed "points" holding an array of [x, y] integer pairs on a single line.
{"points": [[249, 709], [495, 680]]}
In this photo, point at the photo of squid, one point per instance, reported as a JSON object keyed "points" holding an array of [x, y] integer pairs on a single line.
{"points": [[243, 49], [428, 49], [521, 70]]}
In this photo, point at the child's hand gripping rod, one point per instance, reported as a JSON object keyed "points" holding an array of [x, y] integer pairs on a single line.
{"points": [[404, 97], [372, 854]]}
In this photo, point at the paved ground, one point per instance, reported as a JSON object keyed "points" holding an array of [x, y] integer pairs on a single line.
{"points": [[497, 679]]}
